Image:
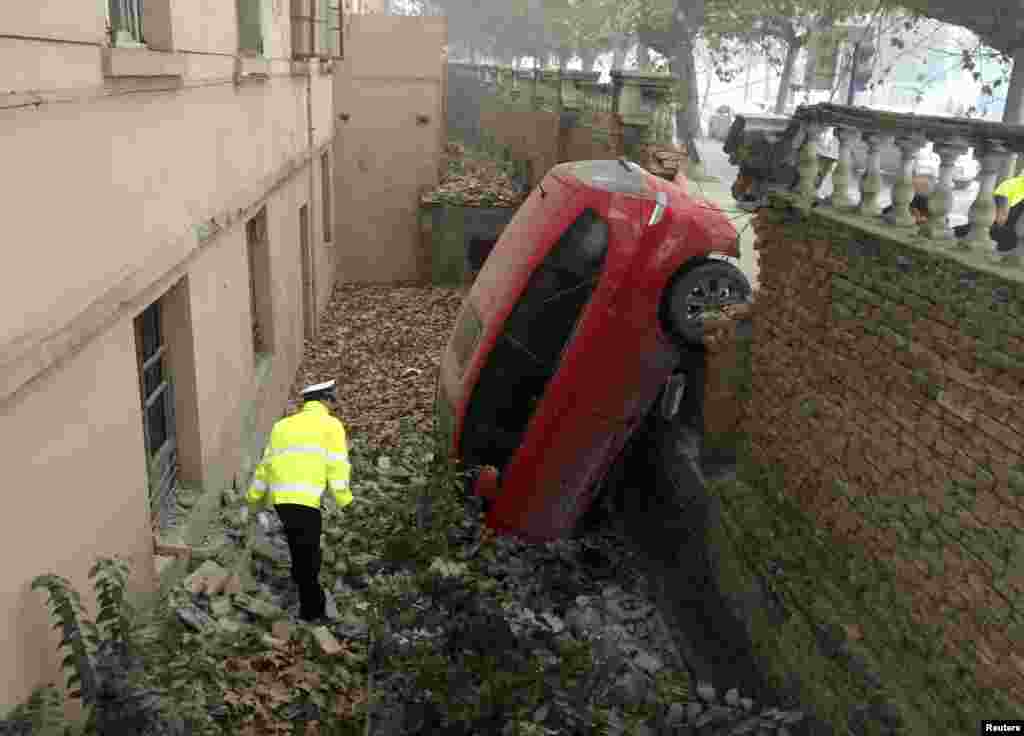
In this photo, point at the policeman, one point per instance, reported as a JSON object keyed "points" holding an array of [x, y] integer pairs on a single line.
{"points": [[306, 455]]}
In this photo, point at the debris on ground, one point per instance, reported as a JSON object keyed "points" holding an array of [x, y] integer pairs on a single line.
{"points": [[370, 336], [473, 178], [458, 631]]}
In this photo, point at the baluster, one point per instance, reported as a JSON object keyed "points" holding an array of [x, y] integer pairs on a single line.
{"points": [[871, 184], [903, 189], [982, 214], [940, 202], [808, 167], [842, 177]]}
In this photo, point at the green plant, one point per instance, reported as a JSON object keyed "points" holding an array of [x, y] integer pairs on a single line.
{"points": [[41, 715], [80, 636]]}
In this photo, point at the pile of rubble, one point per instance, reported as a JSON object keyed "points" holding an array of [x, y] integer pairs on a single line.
{"points": [[501, 598]]}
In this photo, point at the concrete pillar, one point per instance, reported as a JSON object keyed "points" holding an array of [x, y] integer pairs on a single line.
{"points": [[637, 99], [548, 89], [574, 88]]}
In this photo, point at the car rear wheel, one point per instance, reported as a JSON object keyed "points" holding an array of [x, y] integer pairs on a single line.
{"points": [[701, 293]]}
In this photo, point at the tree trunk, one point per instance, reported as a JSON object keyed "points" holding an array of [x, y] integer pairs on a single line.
{"points": [[792, 50], [746, 82], [687, 111], [707, 92], [1014, 112]]}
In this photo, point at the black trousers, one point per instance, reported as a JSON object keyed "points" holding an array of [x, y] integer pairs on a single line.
{"points": [[302, 526]]}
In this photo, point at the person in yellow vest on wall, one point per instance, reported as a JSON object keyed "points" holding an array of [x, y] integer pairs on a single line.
{"points": [[1009, 201], [307, 454]]}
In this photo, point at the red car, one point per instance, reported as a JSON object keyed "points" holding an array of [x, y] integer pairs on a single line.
{"points": [[579, 320]]}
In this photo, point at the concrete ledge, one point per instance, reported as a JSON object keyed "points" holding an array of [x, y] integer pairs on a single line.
{"points": [[252, 69], [122, 62]]}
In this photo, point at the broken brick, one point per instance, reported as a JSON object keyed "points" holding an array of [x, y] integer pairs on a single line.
{"points": [[208, 577], [233, 585], [165, 549], [328, 644]]}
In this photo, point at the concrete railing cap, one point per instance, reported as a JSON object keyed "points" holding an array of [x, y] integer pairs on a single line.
{"points": [[581, 76]]}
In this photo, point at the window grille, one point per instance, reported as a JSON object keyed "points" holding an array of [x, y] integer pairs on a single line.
{"points": [[125, 22]]}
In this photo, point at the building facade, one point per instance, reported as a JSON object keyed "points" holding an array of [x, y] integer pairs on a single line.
{"points": [[166, 174]]}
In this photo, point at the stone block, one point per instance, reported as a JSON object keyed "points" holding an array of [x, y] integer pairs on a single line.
{"points": [[281, 630], [260, 609], [193, 617]]}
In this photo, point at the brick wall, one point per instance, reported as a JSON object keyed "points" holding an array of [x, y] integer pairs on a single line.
{"points": [[530, 135], [885, 383]]}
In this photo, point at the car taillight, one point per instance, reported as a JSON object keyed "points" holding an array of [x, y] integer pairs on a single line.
{"points": [[660, 205]]}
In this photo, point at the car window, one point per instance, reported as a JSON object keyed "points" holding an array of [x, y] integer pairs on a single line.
{"points": [[527, 353]]}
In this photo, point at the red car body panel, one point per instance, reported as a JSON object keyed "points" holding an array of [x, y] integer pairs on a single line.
{"points": [[614, 364]]}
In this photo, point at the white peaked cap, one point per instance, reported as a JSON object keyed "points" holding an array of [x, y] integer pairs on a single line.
{"points": [[327, 385]]}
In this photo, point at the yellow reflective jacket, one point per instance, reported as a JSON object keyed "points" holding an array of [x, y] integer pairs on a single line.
{"points": [[307, 453], [1012, 189]]}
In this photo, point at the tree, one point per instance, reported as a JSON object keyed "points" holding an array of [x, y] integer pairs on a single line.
{"points": [[671, 28], [997, 24], [782, 28]]}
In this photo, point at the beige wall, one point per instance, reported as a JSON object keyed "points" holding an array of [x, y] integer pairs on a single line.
{"points": [[118, 190], [385, 158], [76, 489]]}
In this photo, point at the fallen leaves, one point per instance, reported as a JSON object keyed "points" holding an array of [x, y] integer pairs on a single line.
{"points": [[383, 343], [274, 679], [472, 179]]}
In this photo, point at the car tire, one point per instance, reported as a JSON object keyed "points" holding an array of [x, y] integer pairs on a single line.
{"points": [[698, 291]]}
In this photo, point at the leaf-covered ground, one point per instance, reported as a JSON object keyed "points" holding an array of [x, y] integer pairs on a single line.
{"points": [[475, 177], [383, 344], [441, 628]]}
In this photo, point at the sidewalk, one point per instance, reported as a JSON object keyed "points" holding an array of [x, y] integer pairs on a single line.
{"points": [[719, 194]]}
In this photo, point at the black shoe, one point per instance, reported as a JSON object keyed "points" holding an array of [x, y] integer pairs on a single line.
{"points": [[320, 621]]}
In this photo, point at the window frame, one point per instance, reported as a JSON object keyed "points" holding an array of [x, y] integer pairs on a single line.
{"points": [[257, 243], [326, 168], [329, 51], [255, 7], [312, 19], [136, 39]]}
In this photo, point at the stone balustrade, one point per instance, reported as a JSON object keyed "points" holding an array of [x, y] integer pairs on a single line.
{"points": [[574, 84], [642, 101], [632, 114], [789, 154]]}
